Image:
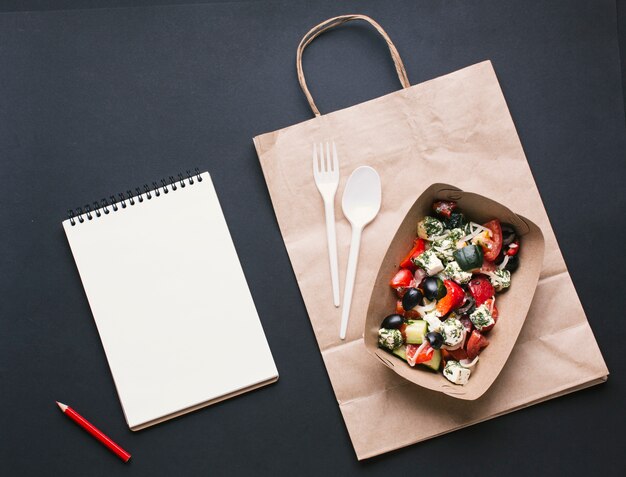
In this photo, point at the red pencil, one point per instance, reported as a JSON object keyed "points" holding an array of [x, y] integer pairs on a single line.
{"points": [[94, 431]]}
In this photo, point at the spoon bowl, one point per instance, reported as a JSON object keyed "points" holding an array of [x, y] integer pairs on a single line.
{"points": [[361, 202], [362, 196]]}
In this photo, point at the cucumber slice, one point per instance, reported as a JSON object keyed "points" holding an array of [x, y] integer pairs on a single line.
{"points": [[469, 257], [416, 331], [400, 352], [434, 362]]}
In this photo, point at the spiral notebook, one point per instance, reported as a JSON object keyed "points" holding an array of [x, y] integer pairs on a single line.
{"points": [[169, 298]]}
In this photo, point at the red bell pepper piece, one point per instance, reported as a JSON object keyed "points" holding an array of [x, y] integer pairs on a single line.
{"points": [[418, 248], [453, 299]]}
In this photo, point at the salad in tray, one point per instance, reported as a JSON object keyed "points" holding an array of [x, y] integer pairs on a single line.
{"points": [[446, 288]]}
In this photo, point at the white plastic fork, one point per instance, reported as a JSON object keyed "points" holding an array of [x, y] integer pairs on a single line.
{"points": [[326, 174]]}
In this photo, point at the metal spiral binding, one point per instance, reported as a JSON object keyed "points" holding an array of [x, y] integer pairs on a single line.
{"points": [[130, 198]]}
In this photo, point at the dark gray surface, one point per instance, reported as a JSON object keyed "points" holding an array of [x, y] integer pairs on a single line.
{"points": [[94, 102], [36, 5], [621, 31], [44, 5]]}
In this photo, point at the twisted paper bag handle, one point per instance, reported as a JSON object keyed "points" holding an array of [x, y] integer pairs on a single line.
{"points": [[332, 23]]}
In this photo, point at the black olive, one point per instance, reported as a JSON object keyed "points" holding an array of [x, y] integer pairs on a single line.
{"points": [[433, 288], [435, 339], [455, 221], [392, 322], [411, 298], [500, 256], [508, 234], [512, 264], [468, 306]]}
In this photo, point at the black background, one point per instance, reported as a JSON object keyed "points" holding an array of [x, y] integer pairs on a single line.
{"points": [[97, 101]]}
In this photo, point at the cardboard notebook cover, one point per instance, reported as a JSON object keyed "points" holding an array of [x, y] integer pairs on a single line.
{"points": [[440, 131]]}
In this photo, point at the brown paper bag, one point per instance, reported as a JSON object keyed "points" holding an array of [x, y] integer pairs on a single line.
{"points": [[443, 130]]}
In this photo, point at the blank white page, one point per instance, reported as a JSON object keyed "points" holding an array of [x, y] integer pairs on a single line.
{"points": [[171, 303]]}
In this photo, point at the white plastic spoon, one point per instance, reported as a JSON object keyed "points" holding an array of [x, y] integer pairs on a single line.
{"points": [[360, 203]]}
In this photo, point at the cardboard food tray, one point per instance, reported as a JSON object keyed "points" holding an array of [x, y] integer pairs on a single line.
{"points": [[513, 304]]}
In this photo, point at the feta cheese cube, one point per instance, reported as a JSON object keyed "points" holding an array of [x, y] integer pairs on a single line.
{"points": [[452, 331], [456, 234], [454, 272], [444, 248], [500, 279], [429, 262], [455, 373], [434, 323], [481, 317], [389, 339], [429, 227]]}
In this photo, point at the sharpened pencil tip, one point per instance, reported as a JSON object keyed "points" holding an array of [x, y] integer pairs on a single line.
{"points": [[62, 406]]}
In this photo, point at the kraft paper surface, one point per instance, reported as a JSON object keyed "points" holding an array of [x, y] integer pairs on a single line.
{"points": [[455, 129]]}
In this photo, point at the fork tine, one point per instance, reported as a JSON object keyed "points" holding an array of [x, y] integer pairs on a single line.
{"points": [[329, 164], [321, 159], [335, 159], [315, 165]]}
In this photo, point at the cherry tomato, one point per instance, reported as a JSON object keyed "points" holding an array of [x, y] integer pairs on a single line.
{"points": [[453, 299], [408, 314], [467, 324], [488, 266], [513, 249], [402, 280], [418, 247], [494, 309], [403, 330], [444, 208], [494, 315], [401, 291], [481, 289], [491, 247], [475, 344], [426, 354], [458, 354], [445, 356], [412, 315], [416, 354]]}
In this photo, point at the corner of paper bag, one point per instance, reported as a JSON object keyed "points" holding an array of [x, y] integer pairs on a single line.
{"points": [[264, 142], [488, 64]]}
